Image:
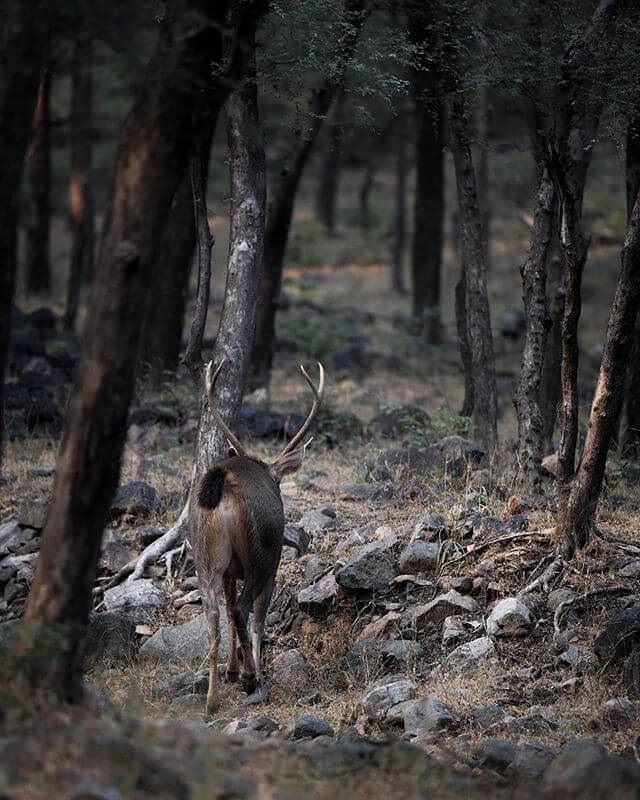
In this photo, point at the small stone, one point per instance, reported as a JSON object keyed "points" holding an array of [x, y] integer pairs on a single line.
{"points": [[630, 570], [319, 594], [385, 693], [471, 655], [318, 520], [455, 627], [558, 596], [381, 492], [263, 723], [419, 556], [355, 492], [618, 712], [431, 526], [427, 714], [192, 704], [620, 636], [631, 674], [188, 682], [495, 753], [449, 604], [308, 726], [290, 671], [381, 626], [370, 571], [136, 498], [509, 617], [186, 643], [459, 583], [531, 759], [486, 716]]}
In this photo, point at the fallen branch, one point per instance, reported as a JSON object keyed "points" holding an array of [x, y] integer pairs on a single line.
{"points": [[557, 617], [551, 573], [545, 532]]}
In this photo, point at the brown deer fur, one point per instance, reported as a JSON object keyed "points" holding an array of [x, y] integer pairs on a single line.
{"points": [[236, 531]]}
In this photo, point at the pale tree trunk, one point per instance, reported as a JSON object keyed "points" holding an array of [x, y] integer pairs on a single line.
{"points": [[578, 518], [246, 243], [38, 266], [399, 211], [81, 181], [538, 322], [478, 324], [280, 209], [330, 170], [22, 53], [150, 162]]}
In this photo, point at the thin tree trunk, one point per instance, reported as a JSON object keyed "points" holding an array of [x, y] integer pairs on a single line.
{"points": [[468, 401], [577, 521], [485, 408], [38, 266], [246, 243], [399, 212], [280, 210], [538, 322], [484, 184], [375, 153], [22, 52], [81, 180], [550, 379], [330, 169], [149, 165]]}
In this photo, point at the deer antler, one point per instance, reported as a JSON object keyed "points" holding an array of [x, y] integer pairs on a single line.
{"points": [[317, 395], [210, 382]]}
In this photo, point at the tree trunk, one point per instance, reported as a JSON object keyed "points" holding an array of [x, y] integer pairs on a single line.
{"points": [[428, 215], [485, 408], [538, 322], [150, 162], [468, 401], [80, 179], [484, 184], [330, 170], [399, 212], [578, 518], [38, 267], [550, 379], [22, 53], [280, 210], [631, 424], [246, 243]]}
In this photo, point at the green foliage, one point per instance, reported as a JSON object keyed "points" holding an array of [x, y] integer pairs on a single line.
{"points": [[444, 422]]}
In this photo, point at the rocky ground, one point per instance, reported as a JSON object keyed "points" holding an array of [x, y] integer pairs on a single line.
{"points": [[427, 633]]}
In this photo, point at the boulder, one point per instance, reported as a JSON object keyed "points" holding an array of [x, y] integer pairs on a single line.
{"points": [[110, 636], [290, 671], [308, 726], [631, 674], [395, 422], [509, 617], [370, 571], [382, 625], [531, 760], [318, 520], [427, 714], [494, 753], [419, 556], [15, 540], [486, 716], [136, 498], [471, 655], [620, 636], [445, 605], [318, 595], [187, 643], [385, 693], [188, 682], [371, 656], [584, 769], [630, 570], [429, 527], [619, 712], [135, 597]]}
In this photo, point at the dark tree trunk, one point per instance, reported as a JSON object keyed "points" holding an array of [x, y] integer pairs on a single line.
{"points": [[22, 52], [150, 162], [330, 169], [538, 322], [428, 215], [480, 340], [484, 185], [631, 423], [280, 209], [550, 379], [38, 267], [375, 154], [246, 242], [468, 401], [578, 518], [399, 212], [80, 182]]}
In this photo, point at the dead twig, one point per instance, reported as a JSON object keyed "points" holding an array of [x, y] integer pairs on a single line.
{"points": [[544, 533], [557, 617]]}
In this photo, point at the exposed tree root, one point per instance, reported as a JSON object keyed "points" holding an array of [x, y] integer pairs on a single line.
{"points": [[547, 578], [557, 617], [545, 533]]}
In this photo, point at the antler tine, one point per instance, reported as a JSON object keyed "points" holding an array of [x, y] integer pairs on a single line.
{"points": [[210, 381], [317, 399]]}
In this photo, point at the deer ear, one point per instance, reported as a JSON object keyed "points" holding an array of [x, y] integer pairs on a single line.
{"points": [[290, 462]]}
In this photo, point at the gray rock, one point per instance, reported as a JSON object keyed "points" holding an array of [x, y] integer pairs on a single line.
{"points": [[360, 536], [630, 570], [13, 537], [115, 554], [385, 693], [509, 617], [620, 636], [318, 594], [430, 526], [495, 753], [33, 514], [452, 453], [558, 596], [372, 656], [450, 604], [471, 655], [355, 491], [137, 498], [369, 571], [263, 723], [290, 671], [186, 643], [318, 520], [531, 759], [631, 675], [486, 716], [111, 636], [619, 712], [427, 714], [191, 704], [188, 682], [398, 421], [138, 598], [419, 556], [584, 769], [381, 492], [308, 726]]}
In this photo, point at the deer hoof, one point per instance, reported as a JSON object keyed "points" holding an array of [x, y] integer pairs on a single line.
{"points": [[231, 675], [248, 681]]}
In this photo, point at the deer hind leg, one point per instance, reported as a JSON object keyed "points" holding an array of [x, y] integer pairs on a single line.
{"points": [[240, 616], [232, 654], [210, 597], [260, 608]]}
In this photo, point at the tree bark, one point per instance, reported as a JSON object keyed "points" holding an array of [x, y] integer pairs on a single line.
{"points": [[280, 209], [22, 53], [484, 184], [550, 379], [150, 162], [480, 340], [399, 212], [538, 323], [246, 244], [578, 519], [330, 169], [38, 266], [80, 180], [468, 401]]}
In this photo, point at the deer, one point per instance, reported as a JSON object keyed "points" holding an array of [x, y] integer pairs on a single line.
{"points": [[236, 531]]}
